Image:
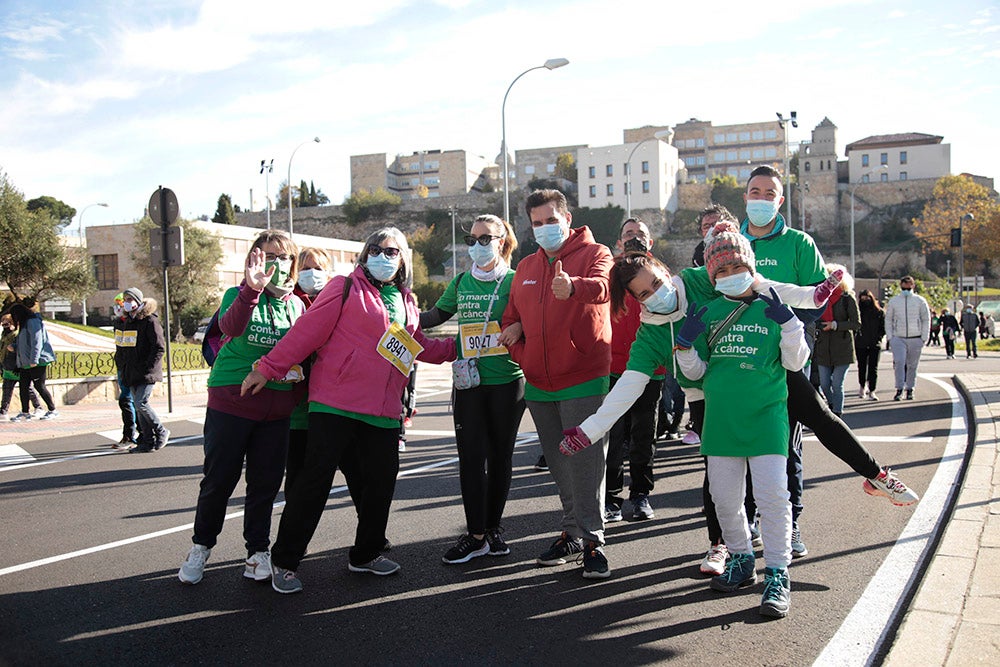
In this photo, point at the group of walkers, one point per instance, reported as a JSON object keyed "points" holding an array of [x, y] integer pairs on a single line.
{"points": [[26, 352], [306, 383]]}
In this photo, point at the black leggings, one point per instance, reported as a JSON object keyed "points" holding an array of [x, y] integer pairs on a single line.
{"points": [[868, 366], [34, 376], [486, 421]]}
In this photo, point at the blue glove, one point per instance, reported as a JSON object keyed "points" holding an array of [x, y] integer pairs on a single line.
{"points": [[693, 326], [776, 310]]}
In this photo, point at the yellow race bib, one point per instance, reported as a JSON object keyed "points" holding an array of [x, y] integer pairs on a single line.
{"points": [[399, 348], [475, 343]]}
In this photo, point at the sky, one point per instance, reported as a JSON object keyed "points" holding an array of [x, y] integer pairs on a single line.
{"points": [[104, 101]]}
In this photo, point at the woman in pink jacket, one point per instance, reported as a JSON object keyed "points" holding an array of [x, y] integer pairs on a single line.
{"points": [[365, 330]]}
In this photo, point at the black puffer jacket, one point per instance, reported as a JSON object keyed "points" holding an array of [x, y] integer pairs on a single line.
{"points": [[140, 345], [872, 329]]}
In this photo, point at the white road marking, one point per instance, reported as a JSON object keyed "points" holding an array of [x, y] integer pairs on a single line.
{"points": [[87, 455], [880, 438], [11, 454], [113, 436], [863, 631], [189, 526]]}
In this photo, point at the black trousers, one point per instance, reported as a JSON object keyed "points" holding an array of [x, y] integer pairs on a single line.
{"points": [[229, 441], [330, 436], [34, 376], [639, 423], [486, 421], [868, 365], [298, 439]]}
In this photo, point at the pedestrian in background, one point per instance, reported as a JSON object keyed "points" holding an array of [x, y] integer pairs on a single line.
{"points": [[907, 323], [139, 358], [248, 430], [983, 328], [11, 373], [935, 338], [868, 343], [949, 330], [34, 354], [130, 431], [970, 326], [833, 352]]}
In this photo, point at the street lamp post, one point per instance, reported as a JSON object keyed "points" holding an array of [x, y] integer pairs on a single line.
{"points": [[266, 168], [968, 217], [550, 64], [83, 245], [853, 188], [454, 256], [793, 118], [659, 136], [803, 191], [314, 139]]}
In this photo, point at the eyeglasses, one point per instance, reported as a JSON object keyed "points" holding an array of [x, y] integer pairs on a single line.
{"points": [[481, 240], [379, 250], [270, 257]]}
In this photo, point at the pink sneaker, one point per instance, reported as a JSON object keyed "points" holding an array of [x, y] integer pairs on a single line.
{"points": [[691, 438]]}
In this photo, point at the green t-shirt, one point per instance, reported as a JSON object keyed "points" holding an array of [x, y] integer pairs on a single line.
{"points": [[270, 319], [787, 255], [746, 395], [596, 387], [471, 300], [653, 347], [396, 306]]}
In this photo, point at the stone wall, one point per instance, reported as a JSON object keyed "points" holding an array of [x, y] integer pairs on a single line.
{"points": [[105, 389], [693, 196]]}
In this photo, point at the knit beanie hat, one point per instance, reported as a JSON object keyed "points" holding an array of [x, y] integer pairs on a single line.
{"points": [[134, 293], [727, 246]]}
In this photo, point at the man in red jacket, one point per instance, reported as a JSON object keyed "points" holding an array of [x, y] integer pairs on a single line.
{"points": [[560, 297]]}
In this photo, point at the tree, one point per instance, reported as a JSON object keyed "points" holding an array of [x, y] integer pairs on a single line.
{"points": [[727, 191], [604, 223], [224, 213], [953, 198], [433, 242], [34, 263], [364, 205], [566, 167], [194, 287], [59, 210]]}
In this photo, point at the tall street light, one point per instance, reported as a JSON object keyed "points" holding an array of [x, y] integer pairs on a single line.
{"points": [[83, 245], [661, 135], [854, 187], [793, 118], [314, 139], [968, 217], [550, 64], [267, 168]]}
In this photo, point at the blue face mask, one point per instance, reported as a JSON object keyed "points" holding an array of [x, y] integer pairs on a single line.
{"points": [[549, 237], [663, 301], [762, 211], [312, 280], [734, 285], [381, 267], [483, 255]]}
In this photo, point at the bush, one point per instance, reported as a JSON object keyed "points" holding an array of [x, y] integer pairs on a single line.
{"points": [[428, 293]]}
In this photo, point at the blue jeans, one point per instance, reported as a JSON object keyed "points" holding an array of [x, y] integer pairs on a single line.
{"points": [[151, 431], [128, 410], [831, 381]]}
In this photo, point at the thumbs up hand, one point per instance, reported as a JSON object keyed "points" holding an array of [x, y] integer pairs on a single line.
{"points": [[562, 285]]}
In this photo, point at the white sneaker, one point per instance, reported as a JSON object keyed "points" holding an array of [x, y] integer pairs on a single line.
{"points": [[258, 566], [193, 566], [863, 392], [49, 415], [714, 562], [402, 445], [21, 417], [691, 438], [872, 396], [890, 486], [39, 412]]}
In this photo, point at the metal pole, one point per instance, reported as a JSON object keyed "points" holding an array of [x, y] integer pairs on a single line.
{"points": [[314, 139], [961, 255], [166, 298], [454, 258], [852, 228]]}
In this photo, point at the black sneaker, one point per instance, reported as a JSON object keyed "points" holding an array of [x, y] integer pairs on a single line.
{"points": [[564, 546], [466, 549], [641, 509], [497, 546], [595, 563], [899, 395], [162, 442], [540, 464], [909, 394]]}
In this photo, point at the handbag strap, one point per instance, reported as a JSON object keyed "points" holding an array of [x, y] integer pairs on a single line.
{"points": [[725, 324]]}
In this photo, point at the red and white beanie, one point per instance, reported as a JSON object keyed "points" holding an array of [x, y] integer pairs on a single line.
{"points": [[727, 246]]}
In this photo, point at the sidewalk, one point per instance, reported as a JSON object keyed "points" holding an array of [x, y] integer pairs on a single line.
{"points": [[954, 619]]}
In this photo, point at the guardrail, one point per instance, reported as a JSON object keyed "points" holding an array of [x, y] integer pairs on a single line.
{"points": [[102, 364]]}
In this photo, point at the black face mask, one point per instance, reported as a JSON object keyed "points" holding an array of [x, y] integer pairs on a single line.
{"points": [[636, 244]]}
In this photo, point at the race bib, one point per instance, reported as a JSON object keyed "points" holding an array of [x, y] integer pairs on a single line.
{"points": [[125, 338], [399, 348], [477, 344]]}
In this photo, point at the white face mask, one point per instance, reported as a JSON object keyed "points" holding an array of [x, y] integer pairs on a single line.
{"points": [[734, 285], [762, 211], [130, 306], [312, 280]]}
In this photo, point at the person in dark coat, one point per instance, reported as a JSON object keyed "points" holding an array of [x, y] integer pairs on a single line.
{"points": [[139, 357], [834, 350], [868, 343], [949, 329], [34, 354]]}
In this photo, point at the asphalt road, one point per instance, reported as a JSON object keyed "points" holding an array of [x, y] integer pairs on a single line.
{"points": [[91, 548]]}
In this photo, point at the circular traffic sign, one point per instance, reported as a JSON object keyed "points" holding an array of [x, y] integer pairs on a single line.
{"points": [[163, 207]]}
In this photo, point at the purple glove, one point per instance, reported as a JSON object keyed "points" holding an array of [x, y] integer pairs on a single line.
{"points": [[574, 440], [776, 310], [826, 288], [693, 326]]}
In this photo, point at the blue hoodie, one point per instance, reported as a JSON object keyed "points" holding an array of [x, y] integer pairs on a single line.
{"points": [[33, 346]]}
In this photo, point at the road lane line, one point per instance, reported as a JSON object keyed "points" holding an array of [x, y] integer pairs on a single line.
{"points": [[189, 526], [75, 457], [863, 631], [882, 438], [11, 454]]}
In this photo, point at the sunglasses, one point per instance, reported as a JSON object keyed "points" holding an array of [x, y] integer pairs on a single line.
{"points": [[483, 240], [270, 257], [376, 250]]}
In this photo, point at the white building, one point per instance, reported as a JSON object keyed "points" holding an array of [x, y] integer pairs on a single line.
{"points": [[603, 180], [898, 157]]}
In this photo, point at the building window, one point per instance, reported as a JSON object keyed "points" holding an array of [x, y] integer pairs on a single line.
{"points": [[864, 159], [745, 154], [771, 134], [758, 153], [865, 178], [593, 191], [592, 172], [758, 135], [828, 167], [701, 160], [730, 155], [884, 178], [609, 170], [645, 166], [530, 169], [744, 136], [809, 166], [744, 173], [611, 188], [700, 143], [550, 168], [883, 158], [720, 156], [106, 271], [770, 152], [720, 138], [902, 175], [645, 186], [902, 157]]}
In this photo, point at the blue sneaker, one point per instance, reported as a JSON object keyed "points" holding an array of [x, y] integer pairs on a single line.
{"points": [[740, 572], [798, 546], [777, 593]]}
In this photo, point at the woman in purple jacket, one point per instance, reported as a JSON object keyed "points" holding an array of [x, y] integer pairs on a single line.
{"points": [[366, 335]]}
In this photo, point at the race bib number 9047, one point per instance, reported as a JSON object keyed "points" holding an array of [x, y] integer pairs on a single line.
{"points": [[477, 344]]}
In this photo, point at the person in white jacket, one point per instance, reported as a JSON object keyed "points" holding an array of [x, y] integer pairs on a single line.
{"points": [[907, 325]]}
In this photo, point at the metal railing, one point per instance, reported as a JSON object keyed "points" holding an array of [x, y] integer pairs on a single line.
{"points": [[102, 364]]}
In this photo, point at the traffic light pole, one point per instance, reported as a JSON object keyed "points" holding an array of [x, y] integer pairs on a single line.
{"points": [[164, 230]]}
